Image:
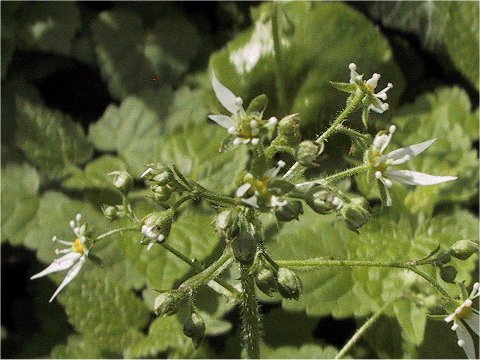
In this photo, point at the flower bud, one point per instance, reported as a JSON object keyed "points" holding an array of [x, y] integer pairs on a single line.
{"points": [[448, 274], [355, 214], [194, 328], [322, 200], [164, 178], [168, 303], [463, 249], [110, 212], [122, 181], [289, 129], [292, 210], [289, 284], [161, 193], [157, 225], [227, 223], [266, 281], [244, 247], [307, 153]]}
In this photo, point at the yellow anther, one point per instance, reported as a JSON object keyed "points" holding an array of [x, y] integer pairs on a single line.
{"points": [[78, 246]]}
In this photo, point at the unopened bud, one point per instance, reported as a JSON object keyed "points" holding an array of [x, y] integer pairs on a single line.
{"points": [[266, 281], [463, 249], [110, 212], [194, 328], [355, 214], [307, 153], [289, 284], [244, 247], [448, 274], [290, 211], [157, 225], [164, 178], [168, 303], [289, 127], [161, 193], [122, 181], [227, 223], [322, 200]]}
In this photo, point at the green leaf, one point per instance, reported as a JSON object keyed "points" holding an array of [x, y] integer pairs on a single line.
{"points": [[447, 116], [319, 50], [132, 130], [342, 291], [462, 38], [20, 200], [50, 139], [306, 351], [45, 26], [412, 319], [95, 174], [440, 343], [77, 347], [134, 58], [104, 311], [194, 150]]}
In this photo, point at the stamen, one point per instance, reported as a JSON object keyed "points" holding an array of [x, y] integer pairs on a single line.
{"points": [[378, 174], [238, 101], [392, 129], [388, 183], [237, 141], [149, 246], [352, 66], [272, 121], [255, 141], [475, 293], [454, 327], [467, 303], [281, 163], [78, 217], [72, 224], [54, 238], [461, 343], [253, 124], [232, 130], [161, 237]]}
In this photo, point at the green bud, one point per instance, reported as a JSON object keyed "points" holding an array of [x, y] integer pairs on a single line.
{"points": [[122, 181], [161, 193], [355, 214], [307, 153], [289, 284], [448, 274], [266, 281], [289, 127], [463, 249], [442, 259], [168, 303], [194, 328], [164, 178], [227, 223], [244, 247], [322, 200], [258, 105], [292, 210], [110, 212], [157, 225]]}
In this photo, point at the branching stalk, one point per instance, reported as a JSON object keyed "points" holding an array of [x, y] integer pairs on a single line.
{"points": [[250, 315], [277, 46]]}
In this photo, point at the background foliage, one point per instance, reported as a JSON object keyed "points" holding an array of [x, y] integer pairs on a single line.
{"points": [[88, 88]]}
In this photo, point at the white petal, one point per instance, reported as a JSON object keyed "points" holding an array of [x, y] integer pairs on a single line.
{"points": [[223, 120], [69, 277], [473, 322], [252, 201], [464, 335], [225, 96], [411, 151], [243, 189], [59, 264], [146, 172], [416, 178]]}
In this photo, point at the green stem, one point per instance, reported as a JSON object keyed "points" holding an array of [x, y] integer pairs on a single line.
{"points": [[181, 201], [363, 329], [277, 46], [250, 315], [330, 131], [210, 195], [114, 231], [317, 263], [209, 273], [335, 177], [351, 133]]}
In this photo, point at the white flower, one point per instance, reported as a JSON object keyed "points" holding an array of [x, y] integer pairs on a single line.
{"points": [[465, 314], [382, 164], [260, 189], [74, 257], [245, 127], [375, 100], [152, 233]]}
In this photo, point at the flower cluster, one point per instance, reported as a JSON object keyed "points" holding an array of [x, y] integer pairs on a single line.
{"points": [[74, 257], [465, 313]]}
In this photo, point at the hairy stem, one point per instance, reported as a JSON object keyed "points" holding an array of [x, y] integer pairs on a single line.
{"points": [[330, 131], [250, 315], [338, 176], [281, 95], [115, 231], [363, 329], [310, 264]]}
